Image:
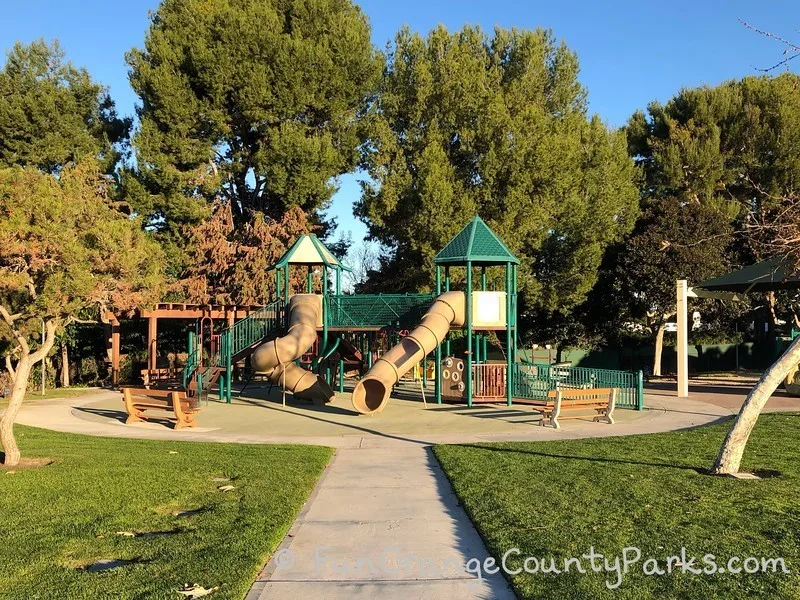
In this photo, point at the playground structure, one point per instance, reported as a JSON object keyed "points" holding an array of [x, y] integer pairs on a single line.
{"points": [[312, 335]]}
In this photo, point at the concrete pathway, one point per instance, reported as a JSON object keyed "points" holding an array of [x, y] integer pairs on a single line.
{"points": [[382, 523], [404, 422]]}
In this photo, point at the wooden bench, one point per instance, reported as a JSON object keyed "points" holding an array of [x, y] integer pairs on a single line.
{"points": [[138, 400], [562, 404]]}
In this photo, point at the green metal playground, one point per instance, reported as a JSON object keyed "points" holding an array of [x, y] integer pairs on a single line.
{"points": [[313, 339]]}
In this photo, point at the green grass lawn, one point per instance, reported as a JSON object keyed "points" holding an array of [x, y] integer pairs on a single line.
{"points": [[55, 394], [557, 499], [55, 520]]}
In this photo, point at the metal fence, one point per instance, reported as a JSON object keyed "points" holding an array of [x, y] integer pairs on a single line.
{"points": [[377, 310], [534, 381]]}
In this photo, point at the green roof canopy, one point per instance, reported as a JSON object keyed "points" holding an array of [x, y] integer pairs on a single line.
{"points": [[777, 273], [308, 250], [476, 243]]}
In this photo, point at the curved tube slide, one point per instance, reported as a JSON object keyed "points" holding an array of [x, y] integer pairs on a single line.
{"points": [[372, 393], [275, 359]]}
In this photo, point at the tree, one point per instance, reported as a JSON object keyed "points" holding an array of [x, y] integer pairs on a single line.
{"points": [[228, 264], [364, 260], [671, 240], [775, 229], [53, 114], [254, 102], [64, 253], [465, 123], [730, 147]]}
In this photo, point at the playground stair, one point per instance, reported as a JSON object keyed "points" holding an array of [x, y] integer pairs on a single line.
{"points": [[236, 343], [351, 355]]}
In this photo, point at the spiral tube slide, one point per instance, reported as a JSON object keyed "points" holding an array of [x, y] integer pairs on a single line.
{"points": [[276, 358], [371, 394]]}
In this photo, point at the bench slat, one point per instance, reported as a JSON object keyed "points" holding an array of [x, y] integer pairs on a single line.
{"points": [[137, 400], [601, 400]]}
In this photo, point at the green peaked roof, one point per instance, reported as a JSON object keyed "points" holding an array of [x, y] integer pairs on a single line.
{"points": [[475, 243], [778, 273], [308, 250]]}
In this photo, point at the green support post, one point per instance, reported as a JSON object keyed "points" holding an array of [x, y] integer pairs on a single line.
{"points": [[447, 289], [509, 317], [514, 310], [341, 375], [228, 368], [437, 367], [310, 281], [468, 361], [640, 390]]}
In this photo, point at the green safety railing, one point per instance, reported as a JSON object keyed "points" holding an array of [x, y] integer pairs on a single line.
{"points": [[377, 310], [235, 339], [252, 329], [534, 381], [192, 362]]}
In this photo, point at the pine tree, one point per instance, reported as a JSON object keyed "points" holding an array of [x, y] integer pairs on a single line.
{"points": [[253, 102], [53, 114], [466, 123]]}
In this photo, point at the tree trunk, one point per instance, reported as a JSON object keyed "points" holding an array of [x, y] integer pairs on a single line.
{"points": [[658, 350], [773, 317], [730, 454], [64, 366], [20, 386], [18, 389]]}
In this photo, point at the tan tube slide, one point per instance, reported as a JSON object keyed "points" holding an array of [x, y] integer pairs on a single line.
{"points": [[275, 359], [372, 393]]}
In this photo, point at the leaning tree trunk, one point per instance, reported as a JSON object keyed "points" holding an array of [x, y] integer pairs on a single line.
{"points": [[21, 374], [659, 349], [64, 366], [18, 389], [730, 454]]}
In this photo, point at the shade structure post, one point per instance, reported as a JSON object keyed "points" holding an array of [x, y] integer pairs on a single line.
{"points": [[152, 342], [682, 290], [115, 352]]}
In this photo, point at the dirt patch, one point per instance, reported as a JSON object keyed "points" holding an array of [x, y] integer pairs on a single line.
{"points": [[27, 463], [148, 534], [182, 514], [107, 564]]}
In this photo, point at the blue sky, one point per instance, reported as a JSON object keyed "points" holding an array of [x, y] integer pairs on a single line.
{"points": [[630, 52]]}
